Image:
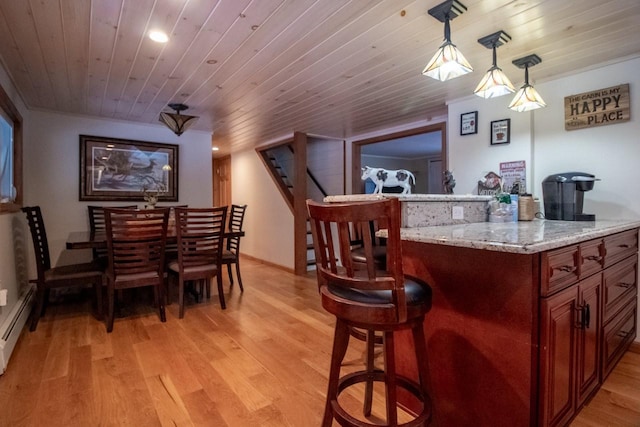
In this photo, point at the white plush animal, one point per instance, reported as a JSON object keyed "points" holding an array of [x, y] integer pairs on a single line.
{"points": [[389, 178]]}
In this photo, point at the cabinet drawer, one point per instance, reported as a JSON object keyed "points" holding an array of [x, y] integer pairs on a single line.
{"points": [[591, 257], [559, 269], [617, 337], [620, 286], [620, 246]]}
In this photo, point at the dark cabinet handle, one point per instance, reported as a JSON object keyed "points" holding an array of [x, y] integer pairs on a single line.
{"points": [[587, 316], [567, 268], [584, 311], [593, 258], [623, 334], [624, 246], [624, 285]]}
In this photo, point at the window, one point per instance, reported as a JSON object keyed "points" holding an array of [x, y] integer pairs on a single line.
{"points": [[7, 193], [10, 155]]}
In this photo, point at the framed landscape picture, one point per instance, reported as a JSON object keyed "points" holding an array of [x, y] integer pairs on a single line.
{"points": [[121, 169]]}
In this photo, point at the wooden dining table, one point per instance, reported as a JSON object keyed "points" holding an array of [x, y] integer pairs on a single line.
{"points": [[96, 240], [89, 240]]}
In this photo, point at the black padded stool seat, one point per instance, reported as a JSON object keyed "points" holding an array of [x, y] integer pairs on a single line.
{"points": [[418, 294], [366, 297], [379, 256]]}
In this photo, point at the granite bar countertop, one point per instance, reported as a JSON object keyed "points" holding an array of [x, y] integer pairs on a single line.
{"points": [[524, 237], [407, 197], [425, 210]]}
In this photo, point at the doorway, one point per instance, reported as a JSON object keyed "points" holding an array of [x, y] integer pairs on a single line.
{"points": [[222, 181], [423, 151]]}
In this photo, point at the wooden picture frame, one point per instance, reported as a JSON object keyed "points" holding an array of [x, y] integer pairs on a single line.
{"points": [[469, 123], [500, 131], [120, 169]]}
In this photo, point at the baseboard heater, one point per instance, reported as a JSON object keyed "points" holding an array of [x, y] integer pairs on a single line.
{"points": [[12, 326]]}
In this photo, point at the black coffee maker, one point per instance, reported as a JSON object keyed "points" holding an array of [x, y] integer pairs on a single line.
{"points": [[563, 195]]}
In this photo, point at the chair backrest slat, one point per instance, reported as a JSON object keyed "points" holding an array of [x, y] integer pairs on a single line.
{"points": [[136, 240], [236, 219], [97, 224], [39, 238], [200, 233]]}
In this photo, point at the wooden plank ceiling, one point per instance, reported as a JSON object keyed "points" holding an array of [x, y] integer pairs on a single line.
{"points": [[255, 70]]}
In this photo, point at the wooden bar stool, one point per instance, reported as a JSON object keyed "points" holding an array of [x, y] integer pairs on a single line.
{"points": [[371, 299]]}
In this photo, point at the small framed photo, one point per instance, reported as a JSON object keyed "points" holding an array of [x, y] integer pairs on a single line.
{"points": [[500, 131], [469, 123]]}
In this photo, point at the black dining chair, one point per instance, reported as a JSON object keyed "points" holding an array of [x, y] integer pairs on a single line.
{"points": [[231, 253], [199, 233], [48, 277], [136, 248]]}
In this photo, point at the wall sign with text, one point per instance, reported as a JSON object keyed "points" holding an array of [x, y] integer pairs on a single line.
{"points": [[597, 108]]}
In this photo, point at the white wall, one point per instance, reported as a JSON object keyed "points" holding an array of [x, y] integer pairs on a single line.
{"points": [[611, 152], [51, 169], [268, 220], [472, 156]]}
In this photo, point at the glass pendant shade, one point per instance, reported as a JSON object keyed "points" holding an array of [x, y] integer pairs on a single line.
{"points": [[495, 83], [177, 122], [447, 63], [527, 99]]}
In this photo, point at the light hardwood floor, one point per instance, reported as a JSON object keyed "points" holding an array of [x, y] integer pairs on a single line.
{"points": [[261, 362]]}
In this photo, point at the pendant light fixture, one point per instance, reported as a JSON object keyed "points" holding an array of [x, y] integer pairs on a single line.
{"points": [[177, 122], [527, 97], [448, 62], [495, 82]]}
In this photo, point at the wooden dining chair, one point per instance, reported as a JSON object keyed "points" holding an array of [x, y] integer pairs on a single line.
{"points": [[171, 251], [199, 232], [57, 277], [97, 225], [371, 299], [136, 247], [231, 253]]}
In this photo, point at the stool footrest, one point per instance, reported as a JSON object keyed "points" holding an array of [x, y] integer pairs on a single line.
{"points": [[345, 419]]}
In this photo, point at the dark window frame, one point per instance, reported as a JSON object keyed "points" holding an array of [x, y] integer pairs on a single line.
{"points": [[7, 105]]}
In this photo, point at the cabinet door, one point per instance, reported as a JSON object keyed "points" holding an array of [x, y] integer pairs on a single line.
{"points": [[617, 337], [557, 358], [620, 287], [588, 339]]}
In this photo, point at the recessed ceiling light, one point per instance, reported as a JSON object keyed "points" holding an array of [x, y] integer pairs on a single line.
{"points": [[214, 149], [158, 36]]}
